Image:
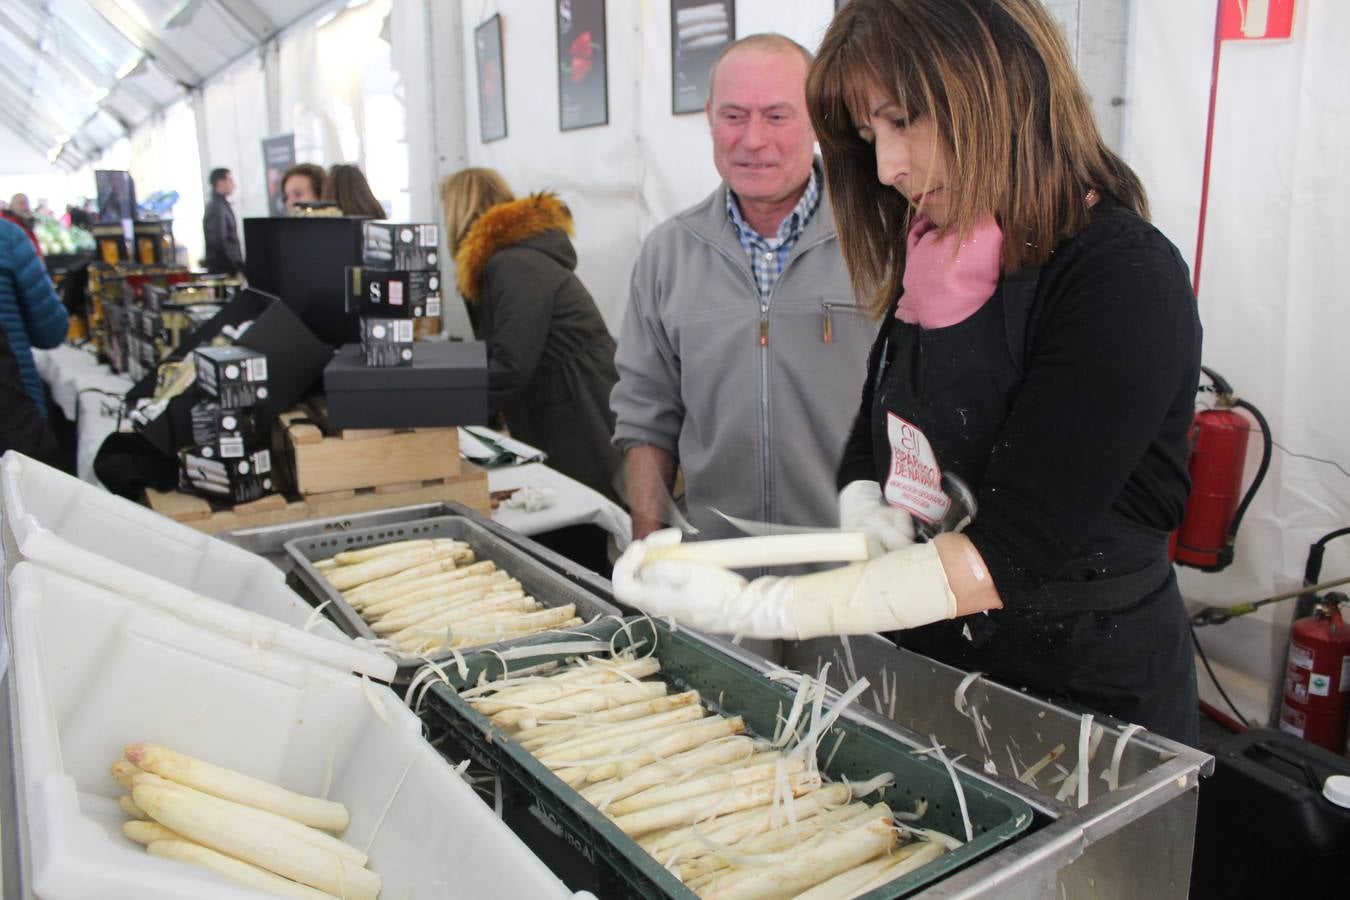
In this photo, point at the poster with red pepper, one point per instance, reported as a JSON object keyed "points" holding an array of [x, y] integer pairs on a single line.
{"points": [[583, 77]]}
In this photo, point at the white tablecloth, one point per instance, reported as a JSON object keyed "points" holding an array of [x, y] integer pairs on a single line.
{"points": [[574, 503], [89, 395]]}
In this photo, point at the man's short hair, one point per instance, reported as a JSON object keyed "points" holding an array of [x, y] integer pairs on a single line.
{"points": [[769, 41], [219, 175]]}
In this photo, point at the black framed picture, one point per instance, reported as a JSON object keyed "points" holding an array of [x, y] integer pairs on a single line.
{"points": [[583, 75], [699, 30], [487, 44]]}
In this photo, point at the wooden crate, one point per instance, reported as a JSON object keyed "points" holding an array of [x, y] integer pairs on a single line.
{"points": [[469, 487], [370, 458]]}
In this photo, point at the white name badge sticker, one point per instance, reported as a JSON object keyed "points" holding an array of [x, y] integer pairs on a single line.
{"points": [[914, 482]]}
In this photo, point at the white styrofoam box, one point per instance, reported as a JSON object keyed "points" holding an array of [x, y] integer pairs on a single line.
{"points": [[96, 671], [65, 524]]}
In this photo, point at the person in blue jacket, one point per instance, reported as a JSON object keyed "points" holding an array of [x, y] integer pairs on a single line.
{"points": [[30, 312]]}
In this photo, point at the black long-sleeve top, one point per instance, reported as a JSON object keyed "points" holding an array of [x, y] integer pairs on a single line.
{"points": [[1101, 420]]}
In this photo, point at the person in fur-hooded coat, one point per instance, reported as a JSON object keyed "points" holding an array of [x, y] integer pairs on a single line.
{"points": [[550, 356]]}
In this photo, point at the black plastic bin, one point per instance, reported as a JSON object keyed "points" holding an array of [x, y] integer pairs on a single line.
{"points": [[1264, 828]]}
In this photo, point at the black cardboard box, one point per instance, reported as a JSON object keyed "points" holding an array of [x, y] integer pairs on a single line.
{"points": [[302, 260], [411, 248], [296, 359], [446, 385], [388, 294], [234, 375], [224, 432], [232, 481]]}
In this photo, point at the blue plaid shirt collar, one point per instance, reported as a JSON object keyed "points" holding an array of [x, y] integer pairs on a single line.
{"points": [[768, 256]]}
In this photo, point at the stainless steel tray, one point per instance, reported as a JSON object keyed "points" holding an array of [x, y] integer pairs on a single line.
{"points": [[543, 583]]}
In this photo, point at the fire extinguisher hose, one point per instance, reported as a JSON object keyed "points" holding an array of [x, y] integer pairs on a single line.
{"points": [[1267, 447]]}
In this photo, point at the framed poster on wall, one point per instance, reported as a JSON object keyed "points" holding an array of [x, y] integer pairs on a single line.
{"points": [[487, 44], [699, 29], [583, 76]]}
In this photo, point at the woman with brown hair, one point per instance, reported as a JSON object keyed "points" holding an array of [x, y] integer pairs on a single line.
{"points": [[550, 356], [1040, 343], [348, 188]]}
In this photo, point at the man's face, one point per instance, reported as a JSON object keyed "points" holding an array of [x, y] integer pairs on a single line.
{"points": [[762, 139], [19, 205], [225, 187], [298, 189]]}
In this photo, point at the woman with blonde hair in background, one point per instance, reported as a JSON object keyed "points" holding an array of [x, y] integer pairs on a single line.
{"points": [[550, 356]]}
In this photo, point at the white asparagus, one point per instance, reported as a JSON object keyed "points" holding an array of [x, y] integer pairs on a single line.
{"points": [[687, 811], [687, 739], [146, 832], [618, 737], [592, 722], [468, 642], [347, 577], [457, 603], [419, 632], [324, 565], [835, 854], [130, 807], [231, 785], [874, 873], [234, 869], [738, 826], [124, 771], [727, 751], [349, 557], [775, 840], [445, 614], [630, 670], [489, 582], [216, 823], [313, 836], [444, 564], [767, 550], [708, 784], [366, 596], [601, 704]]}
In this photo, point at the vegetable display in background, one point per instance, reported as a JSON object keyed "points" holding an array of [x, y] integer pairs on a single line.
{"points": [[432, 595], [246, 829]]}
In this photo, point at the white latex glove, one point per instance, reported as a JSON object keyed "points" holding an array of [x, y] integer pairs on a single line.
{"points": [[903, 589], [863, 508]]}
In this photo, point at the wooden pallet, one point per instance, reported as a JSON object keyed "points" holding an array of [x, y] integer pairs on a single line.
{"points": [[468, 488]]}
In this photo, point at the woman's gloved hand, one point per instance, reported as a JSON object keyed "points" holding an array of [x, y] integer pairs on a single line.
{"points": [[899, 590], [863, 508]]}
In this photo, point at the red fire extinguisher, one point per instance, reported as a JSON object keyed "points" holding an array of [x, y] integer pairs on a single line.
{"points": [[1208, 531], [1317, 676]]}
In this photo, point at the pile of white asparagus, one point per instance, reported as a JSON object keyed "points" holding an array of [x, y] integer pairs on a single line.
{"points": [[732, 816], [248, 830], [432, 595]]}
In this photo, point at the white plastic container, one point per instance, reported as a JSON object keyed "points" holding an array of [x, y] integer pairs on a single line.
{"points": [[65, 524], [96, 671]]}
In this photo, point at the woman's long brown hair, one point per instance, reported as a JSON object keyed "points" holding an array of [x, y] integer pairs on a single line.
{"points": [[996, 79]]}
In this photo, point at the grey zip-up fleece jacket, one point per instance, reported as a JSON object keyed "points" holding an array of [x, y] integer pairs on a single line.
{"points": [[754, 403]]}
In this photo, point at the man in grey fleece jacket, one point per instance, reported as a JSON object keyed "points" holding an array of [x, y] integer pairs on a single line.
{"points": [[742, 354]]}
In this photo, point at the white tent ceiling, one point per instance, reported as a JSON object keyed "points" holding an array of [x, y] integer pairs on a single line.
{"points": [[76, 75]]}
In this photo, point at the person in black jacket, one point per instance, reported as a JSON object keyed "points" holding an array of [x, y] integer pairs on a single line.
{"points": [[224, 255], [22, 426], [1040, 344], [550, 356]]}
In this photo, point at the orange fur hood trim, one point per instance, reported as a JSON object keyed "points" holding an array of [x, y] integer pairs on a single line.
{"points": [[501, 226]]}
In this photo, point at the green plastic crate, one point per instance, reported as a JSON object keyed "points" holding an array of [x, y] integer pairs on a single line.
{"points": [[733, 688]]}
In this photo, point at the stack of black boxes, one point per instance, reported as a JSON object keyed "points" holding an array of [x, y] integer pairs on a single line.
{"points": [[398, 282], [230, 457]]}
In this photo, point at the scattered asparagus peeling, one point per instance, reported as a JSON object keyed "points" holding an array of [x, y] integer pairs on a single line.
{"points": [[730, 814], [246, 829], [434, 596]]}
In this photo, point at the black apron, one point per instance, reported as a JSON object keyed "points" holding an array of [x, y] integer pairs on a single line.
{"points": [[1112, 635]]}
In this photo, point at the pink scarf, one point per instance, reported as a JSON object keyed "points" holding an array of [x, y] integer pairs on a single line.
{"points": [[943, 287]]}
